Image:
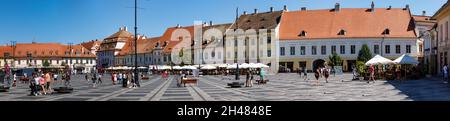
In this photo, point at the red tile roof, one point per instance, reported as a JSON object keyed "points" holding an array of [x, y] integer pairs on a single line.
{"points": [[56, 50], [356, 22], [5, 49]]}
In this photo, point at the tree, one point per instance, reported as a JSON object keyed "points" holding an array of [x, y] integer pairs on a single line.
{"points": [[364, 54], [46, 63], [360, 66], [334, 60]]}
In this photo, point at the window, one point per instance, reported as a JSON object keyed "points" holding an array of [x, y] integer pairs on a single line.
{"points": [[352, 49], [342, 49], [446, 31], [235, 42], [314, 50], [302, 50], [408, 48], [302, 34], [441, 33], [269, 53], [282, 51], [333, 49], [342, 32], [397, 49], [292, 50], [420, 48], [387, 49], [323, 50], [269, 36], [57, 61], [386, 32], [376, 49]]}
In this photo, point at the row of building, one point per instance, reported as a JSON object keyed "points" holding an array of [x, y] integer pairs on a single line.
{"points": [[306, 39]]}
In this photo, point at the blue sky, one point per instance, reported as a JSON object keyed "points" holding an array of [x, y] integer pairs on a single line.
{"points": [[75, 21]]}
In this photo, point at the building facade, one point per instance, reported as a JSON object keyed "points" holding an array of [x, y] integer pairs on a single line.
{"points": [[111, 46], [309, 37], [442, 16], [51, 55]]}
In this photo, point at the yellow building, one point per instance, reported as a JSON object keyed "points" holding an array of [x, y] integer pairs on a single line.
{"points": [[443, 17]]}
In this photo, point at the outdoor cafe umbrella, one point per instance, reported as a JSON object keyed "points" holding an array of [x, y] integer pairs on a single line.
{"points": [[232, 66], [406, 59], [177, 68], [189, 67], [208, 67], [379, 60], [244, 65]]}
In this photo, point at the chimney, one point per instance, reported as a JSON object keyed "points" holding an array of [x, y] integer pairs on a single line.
{"points": [[424, 13], [245, 12], [406, 7], [178, 26], [271, 9], [256, 11], [210, 23], [372, 7], [390, 7], [125, 28], [337, 7], [285, 8], [303, 9]]}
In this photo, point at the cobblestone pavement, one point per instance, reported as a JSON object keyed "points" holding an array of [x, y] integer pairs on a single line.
{"points": [[281, 87]]}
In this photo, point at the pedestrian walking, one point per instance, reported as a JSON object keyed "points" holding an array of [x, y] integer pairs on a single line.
{"points": [[326, 73], [305, 74], [372, 73], [99, 79], [445, 73], [42, 84], [14, 80], [113, 78], [48, 80]]}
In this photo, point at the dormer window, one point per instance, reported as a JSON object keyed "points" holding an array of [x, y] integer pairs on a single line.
{"points": [[302, 34], [157, 44], [342, 32], [165, 44], [386, 32], [248, 21]]}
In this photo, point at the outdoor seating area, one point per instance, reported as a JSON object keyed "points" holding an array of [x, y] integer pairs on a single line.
{"points": [[403, 68]]}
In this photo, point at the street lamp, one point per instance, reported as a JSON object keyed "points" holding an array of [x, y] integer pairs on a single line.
{"points": [[136, 76], [237, 62]]}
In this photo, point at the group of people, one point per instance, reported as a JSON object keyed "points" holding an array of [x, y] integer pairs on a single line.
{"points": [[322, 72], [41, 84], [95, 78], [124, 78]]}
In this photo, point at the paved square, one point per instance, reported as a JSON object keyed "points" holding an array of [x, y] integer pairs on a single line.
{"points": [[281, 87]]}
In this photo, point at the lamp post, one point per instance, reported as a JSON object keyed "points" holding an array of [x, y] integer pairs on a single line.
{"points": [[237, 62], [136, 76]]}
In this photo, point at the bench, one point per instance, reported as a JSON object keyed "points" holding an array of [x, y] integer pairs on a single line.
{"points": [[262, 81], [189, 81], [63, 89], [235, 84], [4, 89]]}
